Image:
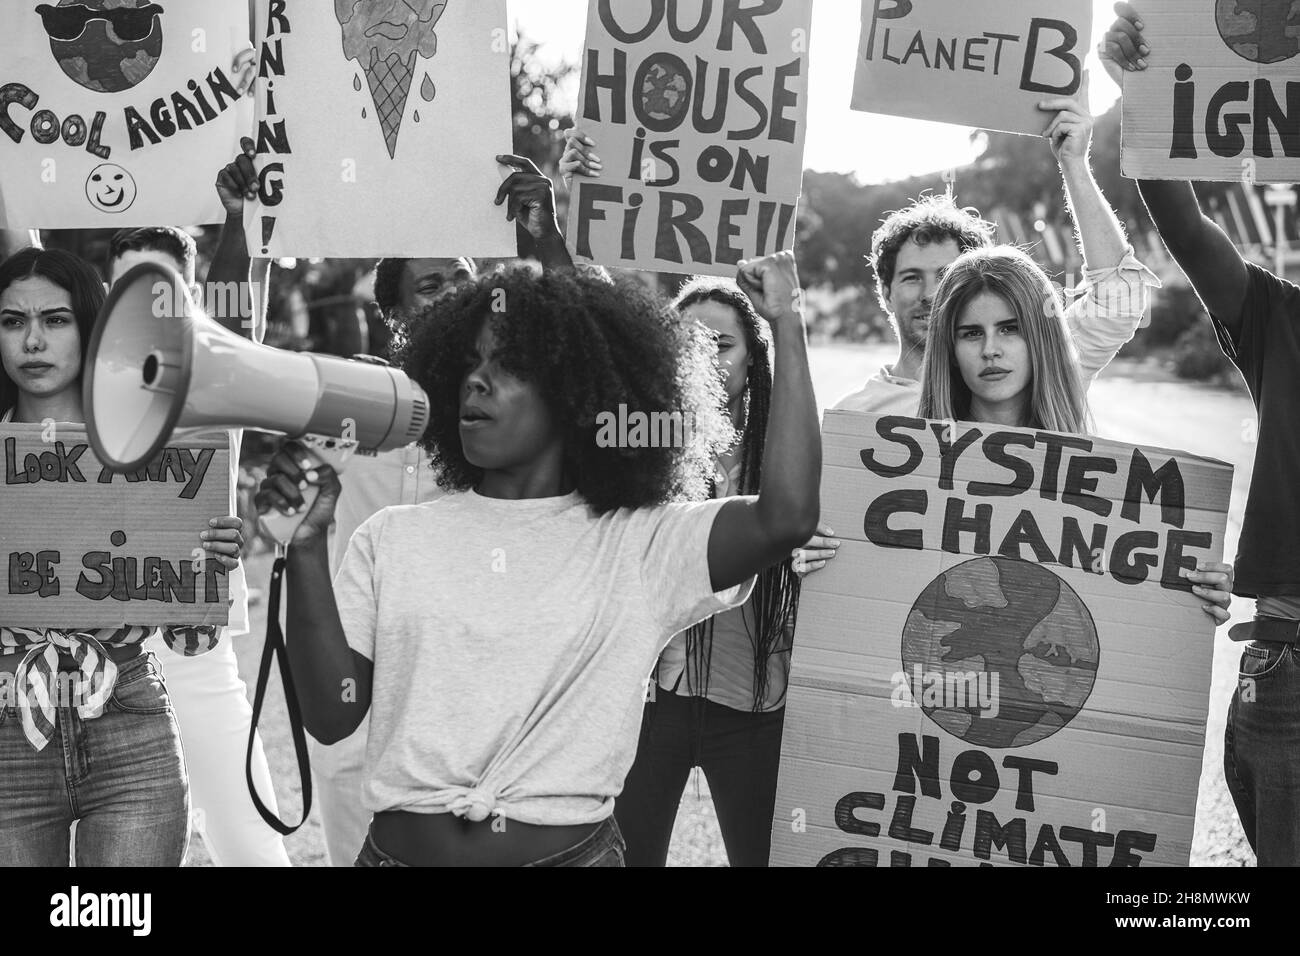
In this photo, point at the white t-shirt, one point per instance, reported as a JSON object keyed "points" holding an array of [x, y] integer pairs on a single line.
{"points": [[511, 643]]}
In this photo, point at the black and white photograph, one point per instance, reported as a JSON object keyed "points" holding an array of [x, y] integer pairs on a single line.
{"points": [[651, 433]]}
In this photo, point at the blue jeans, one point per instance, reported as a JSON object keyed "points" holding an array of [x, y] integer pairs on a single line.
{"points": [[120, 776], [1261, 751], [604, 847]]}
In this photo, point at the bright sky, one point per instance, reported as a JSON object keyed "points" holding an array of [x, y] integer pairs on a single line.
{"points": [[877, 148]]}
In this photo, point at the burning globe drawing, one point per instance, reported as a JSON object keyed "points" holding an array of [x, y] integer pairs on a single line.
{"points": [[665, 91], [1000, 652], [108, 46], [1262, 31]]}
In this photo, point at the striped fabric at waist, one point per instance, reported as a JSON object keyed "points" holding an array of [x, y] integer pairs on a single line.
{"points": [[36, 689]]}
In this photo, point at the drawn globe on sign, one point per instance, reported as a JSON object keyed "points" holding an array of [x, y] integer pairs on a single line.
{"points": [[665, 90], [1005, 617], [108, 46], [1262, 31]]}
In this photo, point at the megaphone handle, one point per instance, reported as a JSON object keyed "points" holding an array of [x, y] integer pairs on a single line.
{"points": [[319, 451]]}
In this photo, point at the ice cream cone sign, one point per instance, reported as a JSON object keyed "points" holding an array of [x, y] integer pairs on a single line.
{"points": [[386, 38]]}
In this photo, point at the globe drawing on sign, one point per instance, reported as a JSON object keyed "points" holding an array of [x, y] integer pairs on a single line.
{"points": [[1262, 31], [1013, 620], [108, 46], [665, 90]]}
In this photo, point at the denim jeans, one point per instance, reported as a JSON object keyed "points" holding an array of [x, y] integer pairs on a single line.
{"points": [[604, 847], [120, 776], [739, 752], [1261, 751]]}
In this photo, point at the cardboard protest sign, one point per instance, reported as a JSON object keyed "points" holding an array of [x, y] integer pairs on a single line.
{"points": [[984, 63], [1220, 97], [698, 111], [1003, 664], [118, 113], [378, 125], [87, 548]]}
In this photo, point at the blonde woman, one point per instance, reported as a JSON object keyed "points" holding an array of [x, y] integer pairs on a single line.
{"points": [[998, 350]]}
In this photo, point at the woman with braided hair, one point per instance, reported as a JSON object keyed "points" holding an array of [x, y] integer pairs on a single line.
{"points": [[718, 690]]}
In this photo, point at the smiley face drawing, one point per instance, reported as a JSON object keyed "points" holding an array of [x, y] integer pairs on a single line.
{"points": [[110, 188]]}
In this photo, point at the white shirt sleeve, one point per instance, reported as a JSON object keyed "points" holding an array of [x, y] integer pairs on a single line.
{"points": [[1106, 311], [675, 566], [354, 590]]}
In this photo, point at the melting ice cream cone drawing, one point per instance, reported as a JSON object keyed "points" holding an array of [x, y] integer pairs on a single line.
{"points": [[385, 37]]}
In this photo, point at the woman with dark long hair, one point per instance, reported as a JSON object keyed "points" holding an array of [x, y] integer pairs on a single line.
{"points": [[87, 732], [500, 637], [718, 690]]}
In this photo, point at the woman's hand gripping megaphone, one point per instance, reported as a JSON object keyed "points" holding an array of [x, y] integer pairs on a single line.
{"points": [[301, 490]]}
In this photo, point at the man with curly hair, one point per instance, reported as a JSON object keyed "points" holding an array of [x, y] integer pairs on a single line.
{"points": [[500, 637], [914, 247]]}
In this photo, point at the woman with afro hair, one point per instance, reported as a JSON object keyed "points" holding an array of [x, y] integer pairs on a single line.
{"points": [[719, 697], [500, 637]]}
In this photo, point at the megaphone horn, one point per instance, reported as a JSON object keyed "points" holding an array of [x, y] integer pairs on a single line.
{"points": [[157, 364]]}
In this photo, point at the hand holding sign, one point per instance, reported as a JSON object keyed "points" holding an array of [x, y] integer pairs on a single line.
{"points": [[813, 556], [237, 180], [224, 540], [529, 198], [1123, 47], [1213, 583], [579, 156], [1070, 132]]}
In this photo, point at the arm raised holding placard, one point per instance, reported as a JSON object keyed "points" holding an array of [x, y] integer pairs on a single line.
{"points": [[1201, 249], [1115, 284]]}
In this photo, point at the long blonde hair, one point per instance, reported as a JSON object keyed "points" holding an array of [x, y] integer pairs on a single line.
{"points": [[1058, 401]]}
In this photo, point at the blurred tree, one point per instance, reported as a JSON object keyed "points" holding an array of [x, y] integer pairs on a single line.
{"points": [[534, 92], [538, 121]]}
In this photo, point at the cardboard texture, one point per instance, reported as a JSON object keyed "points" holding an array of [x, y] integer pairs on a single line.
{"points": [[698, 110], [118, 114], [378, 128], [1220, 98], [983, 63], [87, 548], [1061, 671]]}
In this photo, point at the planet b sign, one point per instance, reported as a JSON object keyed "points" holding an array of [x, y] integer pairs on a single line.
{"points": [[1218, 100], [1004, 665]]}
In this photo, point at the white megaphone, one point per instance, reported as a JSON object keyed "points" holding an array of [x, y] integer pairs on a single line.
{"points": [[157, 365]]}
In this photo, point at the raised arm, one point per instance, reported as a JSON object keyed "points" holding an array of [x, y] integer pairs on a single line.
{"points": [[530, 203], [750, 534], [232, 268], [1102, 242], [1201, 249], [323, 663]]}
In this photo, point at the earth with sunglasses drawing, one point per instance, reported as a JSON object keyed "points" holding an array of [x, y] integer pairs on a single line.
{"points": [[104, 45]]}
